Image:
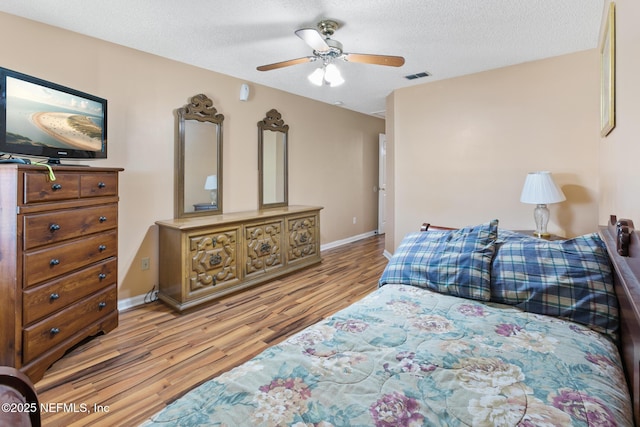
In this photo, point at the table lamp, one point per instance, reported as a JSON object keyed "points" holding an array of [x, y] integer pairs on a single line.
{"points": [[540, 189]]}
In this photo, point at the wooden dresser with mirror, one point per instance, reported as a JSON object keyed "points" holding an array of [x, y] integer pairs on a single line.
{"points": [[205, 253]]}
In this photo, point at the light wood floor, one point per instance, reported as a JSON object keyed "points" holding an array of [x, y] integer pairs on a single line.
{"points": [[156, 355]]}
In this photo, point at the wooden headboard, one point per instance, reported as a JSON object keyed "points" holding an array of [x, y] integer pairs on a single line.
{"points": [[623, 245]]}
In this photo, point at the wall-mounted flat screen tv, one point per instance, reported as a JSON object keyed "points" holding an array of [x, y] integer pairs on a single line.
{"points": [[43, 119]]}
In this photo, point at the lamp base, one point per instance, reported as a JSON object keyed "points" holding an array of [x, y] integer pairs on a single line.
{"points": [[541, 216], [542, 235]]}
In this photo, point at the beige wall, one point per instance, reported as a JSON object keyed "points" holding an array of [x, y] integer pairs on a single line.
{"points": [[620, 150], [463, 146], [333, 152], [390, 207], [458, 150]]}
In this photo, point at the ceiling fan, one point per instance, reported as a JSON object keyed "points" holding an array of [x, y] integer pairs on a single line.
{"points": [[329, 50]]}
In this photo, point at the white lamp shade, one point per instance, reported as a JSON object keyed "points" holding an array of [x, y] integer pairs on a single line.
{"points": [[328, 74], [317, 77], [211, 183], [540, 189], [332, 75]]}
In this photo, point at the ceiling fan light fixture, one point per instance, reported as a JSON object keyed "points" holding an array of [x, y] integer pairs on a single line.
{"points": [[328, 50], [317, 77], [328, 75], [332, 75]]}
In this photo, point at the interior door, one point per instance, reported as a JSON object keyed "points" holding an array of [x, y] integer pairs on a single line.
{"points": [[382, 181]]}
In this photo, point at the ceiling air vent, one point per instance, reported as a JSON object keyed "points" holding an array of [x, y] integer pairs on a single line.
{"points": [[417, 75]]}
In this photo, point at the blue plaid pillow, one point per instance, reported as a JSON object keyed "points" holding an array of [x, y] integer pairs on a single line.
{"points": [[454, 262], [568, 278], [504, 235]]}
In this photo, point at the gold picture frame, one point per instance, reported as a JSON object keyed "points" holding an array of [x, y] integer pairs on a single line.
{"points": [[608, 74]]}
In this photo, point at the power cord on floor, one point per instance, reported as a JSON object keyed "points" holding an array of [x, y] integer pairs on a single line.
{"points": [[151, 296]]}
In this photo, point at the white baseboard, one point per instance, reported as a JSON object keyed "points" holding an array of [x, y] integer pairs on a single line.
{"points": [[128, 303], [387, 254], [347, 240]]}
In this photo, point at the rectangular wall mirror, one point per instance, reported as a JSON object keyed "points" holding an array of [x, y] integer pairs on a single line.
{"points": [[198, 180], [272, 161]]}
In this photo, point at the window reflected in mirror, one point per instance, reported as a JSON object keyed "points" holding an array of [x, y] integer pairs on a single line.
{"points": [[272, 161]]}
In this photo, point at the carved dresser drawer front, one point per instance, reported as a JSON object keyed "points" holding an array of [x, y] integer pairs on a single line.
{"points": [[99, 184], [45, 264], [303, 238], [55, 329], [214, 261], [39, 188], [263, 247], [57, 226], [41, 301], [204, 258]]}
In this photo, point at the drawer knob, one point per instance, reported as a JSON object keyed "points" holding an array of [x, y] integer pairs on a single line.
{"points": [[101, 184], [54, 262], [56, 187], [54, 297], [102, 219], [102, 248], [102, 276], [54, 331], [102, 305], [265, 248], [215, 259], [54, 227]]}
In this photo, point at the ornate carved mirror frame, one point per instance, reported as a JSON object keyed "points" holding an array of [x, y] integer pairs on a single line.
{"points": [[273, 175], [198, 159]]}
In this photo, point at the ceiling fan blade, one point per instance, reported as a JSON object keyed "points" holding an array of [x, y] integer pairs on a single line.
{"points": [[392, 61], [286, 63], [313, 38]]}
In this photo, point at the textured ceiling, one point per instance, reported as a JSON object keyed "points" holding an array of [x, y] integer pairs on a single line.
{"points": [[446, 38]]}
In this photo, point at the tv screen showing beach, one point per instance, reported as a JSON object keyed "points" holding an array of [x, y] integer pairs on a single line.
{"points": [[41, 116]]}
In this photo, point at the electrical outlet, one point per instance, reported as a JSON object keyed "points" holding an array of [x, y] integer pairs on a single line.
{"points": [[355, 219], [144, 263]]}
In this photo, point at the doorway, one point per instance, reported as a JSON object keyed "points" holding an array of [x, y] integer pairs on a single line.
{"points": [[382, 182]]}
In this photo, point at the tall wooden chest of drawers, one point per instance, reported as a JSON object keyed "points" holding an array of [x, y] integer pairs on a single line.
{"points": [[58, 261], [203, 258]]}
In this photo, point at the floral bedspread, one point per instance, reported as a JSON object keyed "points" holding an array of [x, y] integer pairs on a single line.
{"points": [[405, 356]]}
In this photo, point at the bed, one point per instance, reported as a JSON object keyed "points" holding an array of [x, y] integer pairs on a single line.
{"points": [[474, 326]]}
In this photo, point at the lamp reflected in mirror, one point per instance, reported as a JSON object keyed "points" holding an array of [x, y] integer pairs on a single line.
{"points": [[211, 184]]}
